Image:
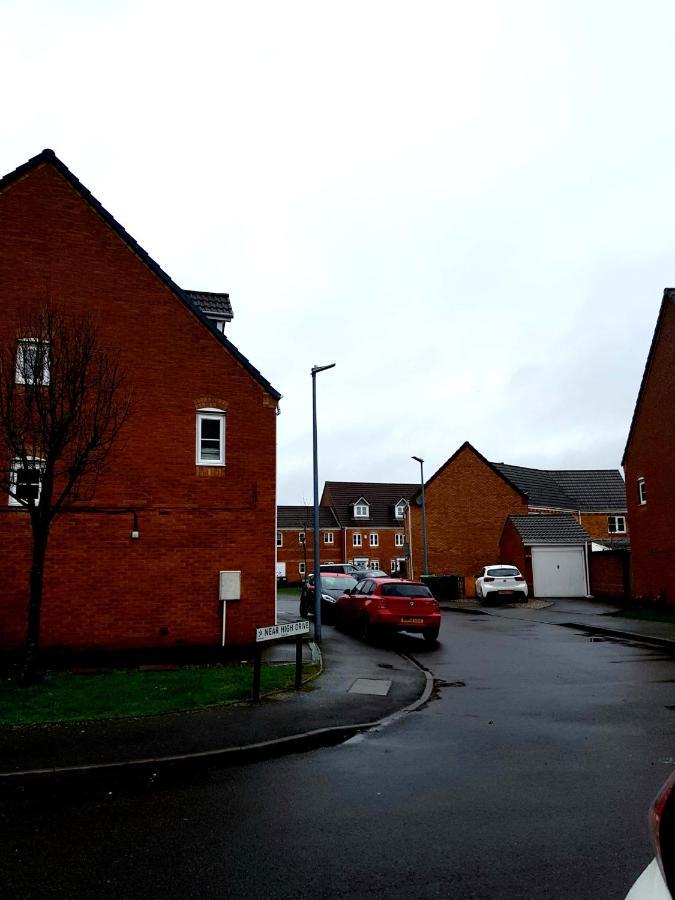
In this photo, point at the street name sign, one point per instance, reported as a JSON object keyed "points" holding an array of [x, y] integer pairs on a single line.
{"points": [[272, 632]]}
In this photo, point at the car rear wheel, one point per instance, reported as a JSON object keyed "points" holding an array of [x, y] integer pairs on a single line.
{"points": [[430, 635], [365, 629]]}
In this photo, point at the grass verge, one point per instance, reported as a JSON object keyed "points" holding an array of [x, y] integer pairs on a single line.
{"points": [[66, 697]]}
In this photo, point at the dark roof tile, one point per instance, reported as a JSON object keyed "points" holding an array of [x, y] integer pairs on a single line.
{"points": [[215, 306], [381, 498], [586, 490], [302, 517], [549, 529]]}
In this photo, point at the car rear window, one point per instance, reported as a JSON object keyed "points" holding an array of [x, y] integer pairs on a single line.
{"points": [[405, 590], [503, 573], [332, 583]]}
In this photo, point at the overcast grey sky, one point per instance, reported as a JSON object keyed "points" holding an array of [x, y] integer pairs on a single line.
{"points": [[466, 206]]}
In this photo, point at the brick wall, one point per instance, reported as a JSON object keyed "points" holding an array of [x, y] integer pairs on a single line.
{"points": [[341, 550], [596, 524], [609, 573], [513, 552], [651, 455], [467, 503], [292, 551], [102, 588], [385, 551]]}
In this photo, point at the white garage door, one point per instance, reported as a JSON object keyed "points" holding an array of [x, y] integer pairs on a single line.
{"points": [[559, 572]]}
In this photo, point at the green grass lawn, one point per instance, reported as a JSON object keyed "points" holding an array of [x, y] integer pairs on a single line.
{"points": [[289, 591], [66, 697], [658, 614]]}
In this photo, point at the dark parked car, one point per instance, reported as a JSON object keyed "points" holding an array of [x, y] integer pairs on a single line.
{"points": [[333, 585], [390, 604], [343, 568], [371, 573]]}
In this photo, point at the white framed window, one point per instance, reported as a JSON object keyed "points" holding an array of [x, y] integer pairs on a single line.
{"points": [[642, 491], [26, 482], [32, 361], [374, 564], [357, 540], [398, 539], [374, 539], [399, 510], [328, 537], [210, 437], [361, 562], [301, 568], [616, 524], [302, 537], [280, 539], [361, 509], [394, 566]]}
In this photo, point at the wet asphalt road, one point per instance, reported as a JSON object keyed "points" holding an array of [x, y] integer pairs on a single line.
{"points": [[529, 776]]}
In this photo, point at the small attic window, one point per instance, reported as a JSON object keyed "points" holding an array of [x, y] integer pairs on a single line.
{"points": [[361, 509], [400, 508]]}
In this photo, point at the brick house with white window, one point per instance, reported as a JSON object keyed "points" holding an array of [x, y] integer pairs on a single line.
{"points": [[371, 516], [649, 464], [474, 518], [295, 541], [190, 486]]}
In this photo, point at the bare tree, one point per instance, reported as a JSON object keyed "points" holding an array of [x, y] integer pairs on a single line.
{"points": [[63, 401]]}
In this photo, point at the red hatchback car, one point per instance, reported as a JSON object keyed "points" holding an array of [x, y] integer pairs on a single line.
{"points": [[390, 604]]}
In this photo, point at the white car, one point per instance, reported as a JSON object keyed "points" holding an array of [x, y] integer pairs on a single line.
{"points": [[657, 882], [500, 581]]}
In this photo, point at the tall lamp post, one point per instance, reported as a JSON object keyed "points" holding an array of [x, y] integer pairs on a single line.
{"points": [[317, 571], [424, 514]]}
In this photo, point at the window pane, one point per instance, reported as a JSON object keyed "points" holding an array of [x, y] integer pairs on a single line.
{"points": [[210, 444], [27, 484]]}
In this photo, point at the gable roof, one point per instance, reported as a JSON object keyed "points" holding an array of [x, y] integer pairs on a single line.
{"points": [[586, 490], [302, 517], [381, 498], [48, 157], [467, 446], [666, 305], [549, 529], [215, 306]]}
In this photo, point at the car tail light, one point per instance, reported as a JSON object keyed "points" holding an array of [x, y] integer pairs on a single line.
{"points": [[519, 578], [488, 578], [662, 824]]}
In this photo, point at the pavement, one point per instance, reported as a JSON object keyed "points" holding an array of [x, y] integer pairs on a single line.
{"points": [[326, 711], [592, 616], [360, 686]]}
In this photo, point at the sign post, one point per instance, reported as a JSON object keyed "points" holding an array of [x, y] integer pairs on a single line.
{"points": [[277, 633]]}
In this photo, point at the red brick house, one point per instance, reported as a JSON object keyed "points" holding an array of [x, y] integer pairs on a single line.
{"points": [[469, 501], [295, 540], [138, 565], [371, 516], [649, 466]]}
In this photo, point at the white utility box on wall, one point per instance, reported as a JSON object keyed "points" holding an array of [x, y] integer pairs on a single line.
{"points": [[230, 585]]}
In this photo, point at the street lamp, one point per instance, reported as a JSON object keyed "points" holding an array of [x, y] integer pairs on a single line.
{"points": [[317, 572], [424, 515]]}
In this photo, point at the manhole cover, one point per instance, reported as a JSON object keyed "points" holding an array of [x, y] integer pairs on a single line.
{"points": [[378, 687]]}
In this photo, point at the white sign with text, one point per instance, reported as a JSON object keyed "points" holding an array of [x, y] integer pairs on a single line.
{"points": [[281, 631]]}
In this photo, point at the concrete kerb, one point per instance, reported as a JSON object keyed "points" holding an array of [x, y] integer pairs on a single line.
{"points": [[664, 643], [231, 756]]}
